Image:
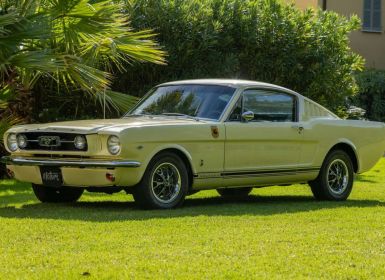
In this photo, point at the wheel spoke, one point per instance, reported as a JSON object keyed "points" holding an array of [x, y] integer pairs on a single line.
{"points": [[161, 193], [332, 181], [157, 184]]}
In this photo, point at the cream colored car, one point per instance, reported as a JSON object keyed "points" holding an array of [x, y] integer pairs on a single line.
{"points": [[188, 136]]}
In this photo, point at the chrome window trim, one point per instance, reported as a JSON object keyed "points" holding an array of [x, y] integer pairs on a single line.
{"points": [[270, 88]]}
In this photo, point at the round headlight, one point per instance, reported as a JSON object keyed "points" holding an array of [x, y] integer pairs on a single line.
{"points": [[22, 141], [12, 142], [113, 145], [80, 142]]}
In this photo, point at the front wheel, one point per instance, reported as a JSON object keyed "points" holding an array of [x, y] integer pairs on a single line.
{"points": [[335, 180], [164, 184], [57, 195]]}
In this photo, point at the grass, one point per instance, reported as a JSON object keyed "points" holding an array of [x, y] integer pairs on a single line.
{"points": [[278, 232]]}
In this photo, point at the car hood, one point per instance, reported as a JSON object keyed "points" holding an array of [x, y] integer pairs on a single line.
{"points": [[106, 125]]}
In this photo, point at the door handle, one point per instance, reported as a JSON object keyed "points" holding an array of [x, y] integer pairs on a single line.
{"points": [[299, 127]]}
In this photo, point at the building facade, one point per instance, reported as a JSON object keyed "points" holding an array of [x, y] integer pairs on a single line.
{"points": [[369, 41]]}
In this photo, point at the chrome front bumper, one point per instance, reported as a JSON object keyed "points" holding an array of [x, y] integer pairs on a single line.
{"points": [[69, 162]]}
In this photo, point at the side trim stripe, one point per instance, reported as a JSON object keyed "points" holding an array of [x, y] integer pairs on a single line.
{"points": [[282, 171], [259, 173]]}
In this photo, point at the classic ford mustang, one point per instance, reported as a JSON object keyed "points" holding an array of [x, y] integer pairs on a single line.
{"points": [[187, 136]]}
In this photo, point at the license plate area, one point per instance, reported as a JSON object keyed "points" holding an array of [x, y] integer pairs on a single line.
{"points": [[51, 176]]}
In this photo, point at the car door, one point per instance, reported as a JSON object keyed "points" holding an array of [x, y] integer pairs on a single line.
{"points": [[269, 144]]}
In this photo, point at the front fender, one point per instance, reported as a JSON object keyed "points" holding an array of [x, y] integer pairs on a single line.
{"points": [[161, 148]]}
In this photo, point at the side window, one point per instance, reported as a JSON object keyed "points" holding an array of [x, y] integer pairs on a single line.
{"points": [[269, 105]]}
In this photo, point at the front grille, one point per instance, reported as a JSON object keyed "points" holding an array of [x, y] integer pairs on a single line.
{"points": [[51, 141]]}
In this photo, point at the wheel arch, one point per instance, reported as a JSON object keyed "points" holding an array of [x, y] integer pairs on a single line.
{"points": [[350, 149]]}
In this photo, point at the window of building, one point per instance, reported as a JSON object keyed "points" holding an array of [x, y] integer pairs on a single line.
{"points": [[372, 16]]}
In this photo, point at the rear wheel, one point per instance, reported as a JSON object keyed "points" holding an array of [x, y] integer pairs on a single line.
{"points": [[57, 195], [164, 184], [234, 192], [335, 180]]}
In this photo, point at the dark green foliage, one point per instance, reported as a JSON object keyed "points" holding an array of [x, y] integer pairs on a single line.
{"points": [[371, 96], [258, 39]]}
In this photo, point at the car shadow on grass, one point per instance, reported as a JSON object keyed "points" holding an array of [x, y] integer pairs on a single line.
{"points": [[366, 179], [18, 201], [107, 211]]}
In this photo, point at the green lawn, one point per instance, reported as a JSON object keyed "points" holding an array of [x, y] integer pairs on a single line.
{"points": [[279, 232]]}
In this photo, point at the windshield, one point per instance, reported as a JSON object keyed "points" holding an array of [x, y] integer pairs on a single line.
{"points": [[202, 101]]}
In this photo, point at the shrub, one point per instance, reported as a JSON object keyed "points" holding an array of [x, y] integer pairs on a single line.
{"points": [[371, 95], [257, 39]]}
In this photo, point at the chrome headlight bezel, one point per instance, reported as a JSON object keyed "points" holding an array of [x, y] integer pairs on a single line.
{"points": [[113, 145], [80, 142], [12, 142], [22, 141]]}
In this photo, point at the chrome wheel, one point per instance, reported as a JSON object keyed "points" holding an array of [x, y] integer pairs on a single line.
{"points": [[166, 182], [338, 176]]}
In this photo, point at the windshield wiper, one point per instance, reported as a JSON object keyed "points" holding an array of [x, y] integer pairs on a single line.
{"points": [[179, 115]]}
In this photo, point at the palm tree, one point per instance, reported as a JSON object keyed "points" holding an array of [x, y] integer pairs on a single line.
{"points": [[74, 44]]}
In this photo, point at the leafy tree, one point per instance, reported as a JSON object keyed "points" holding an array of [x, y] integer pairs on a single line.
{"points": [[371, 95], [265, 40]]}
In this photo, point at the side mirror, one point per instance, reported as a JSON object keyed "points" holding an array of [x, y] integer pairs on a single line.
{"points": [[248, 116]]}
